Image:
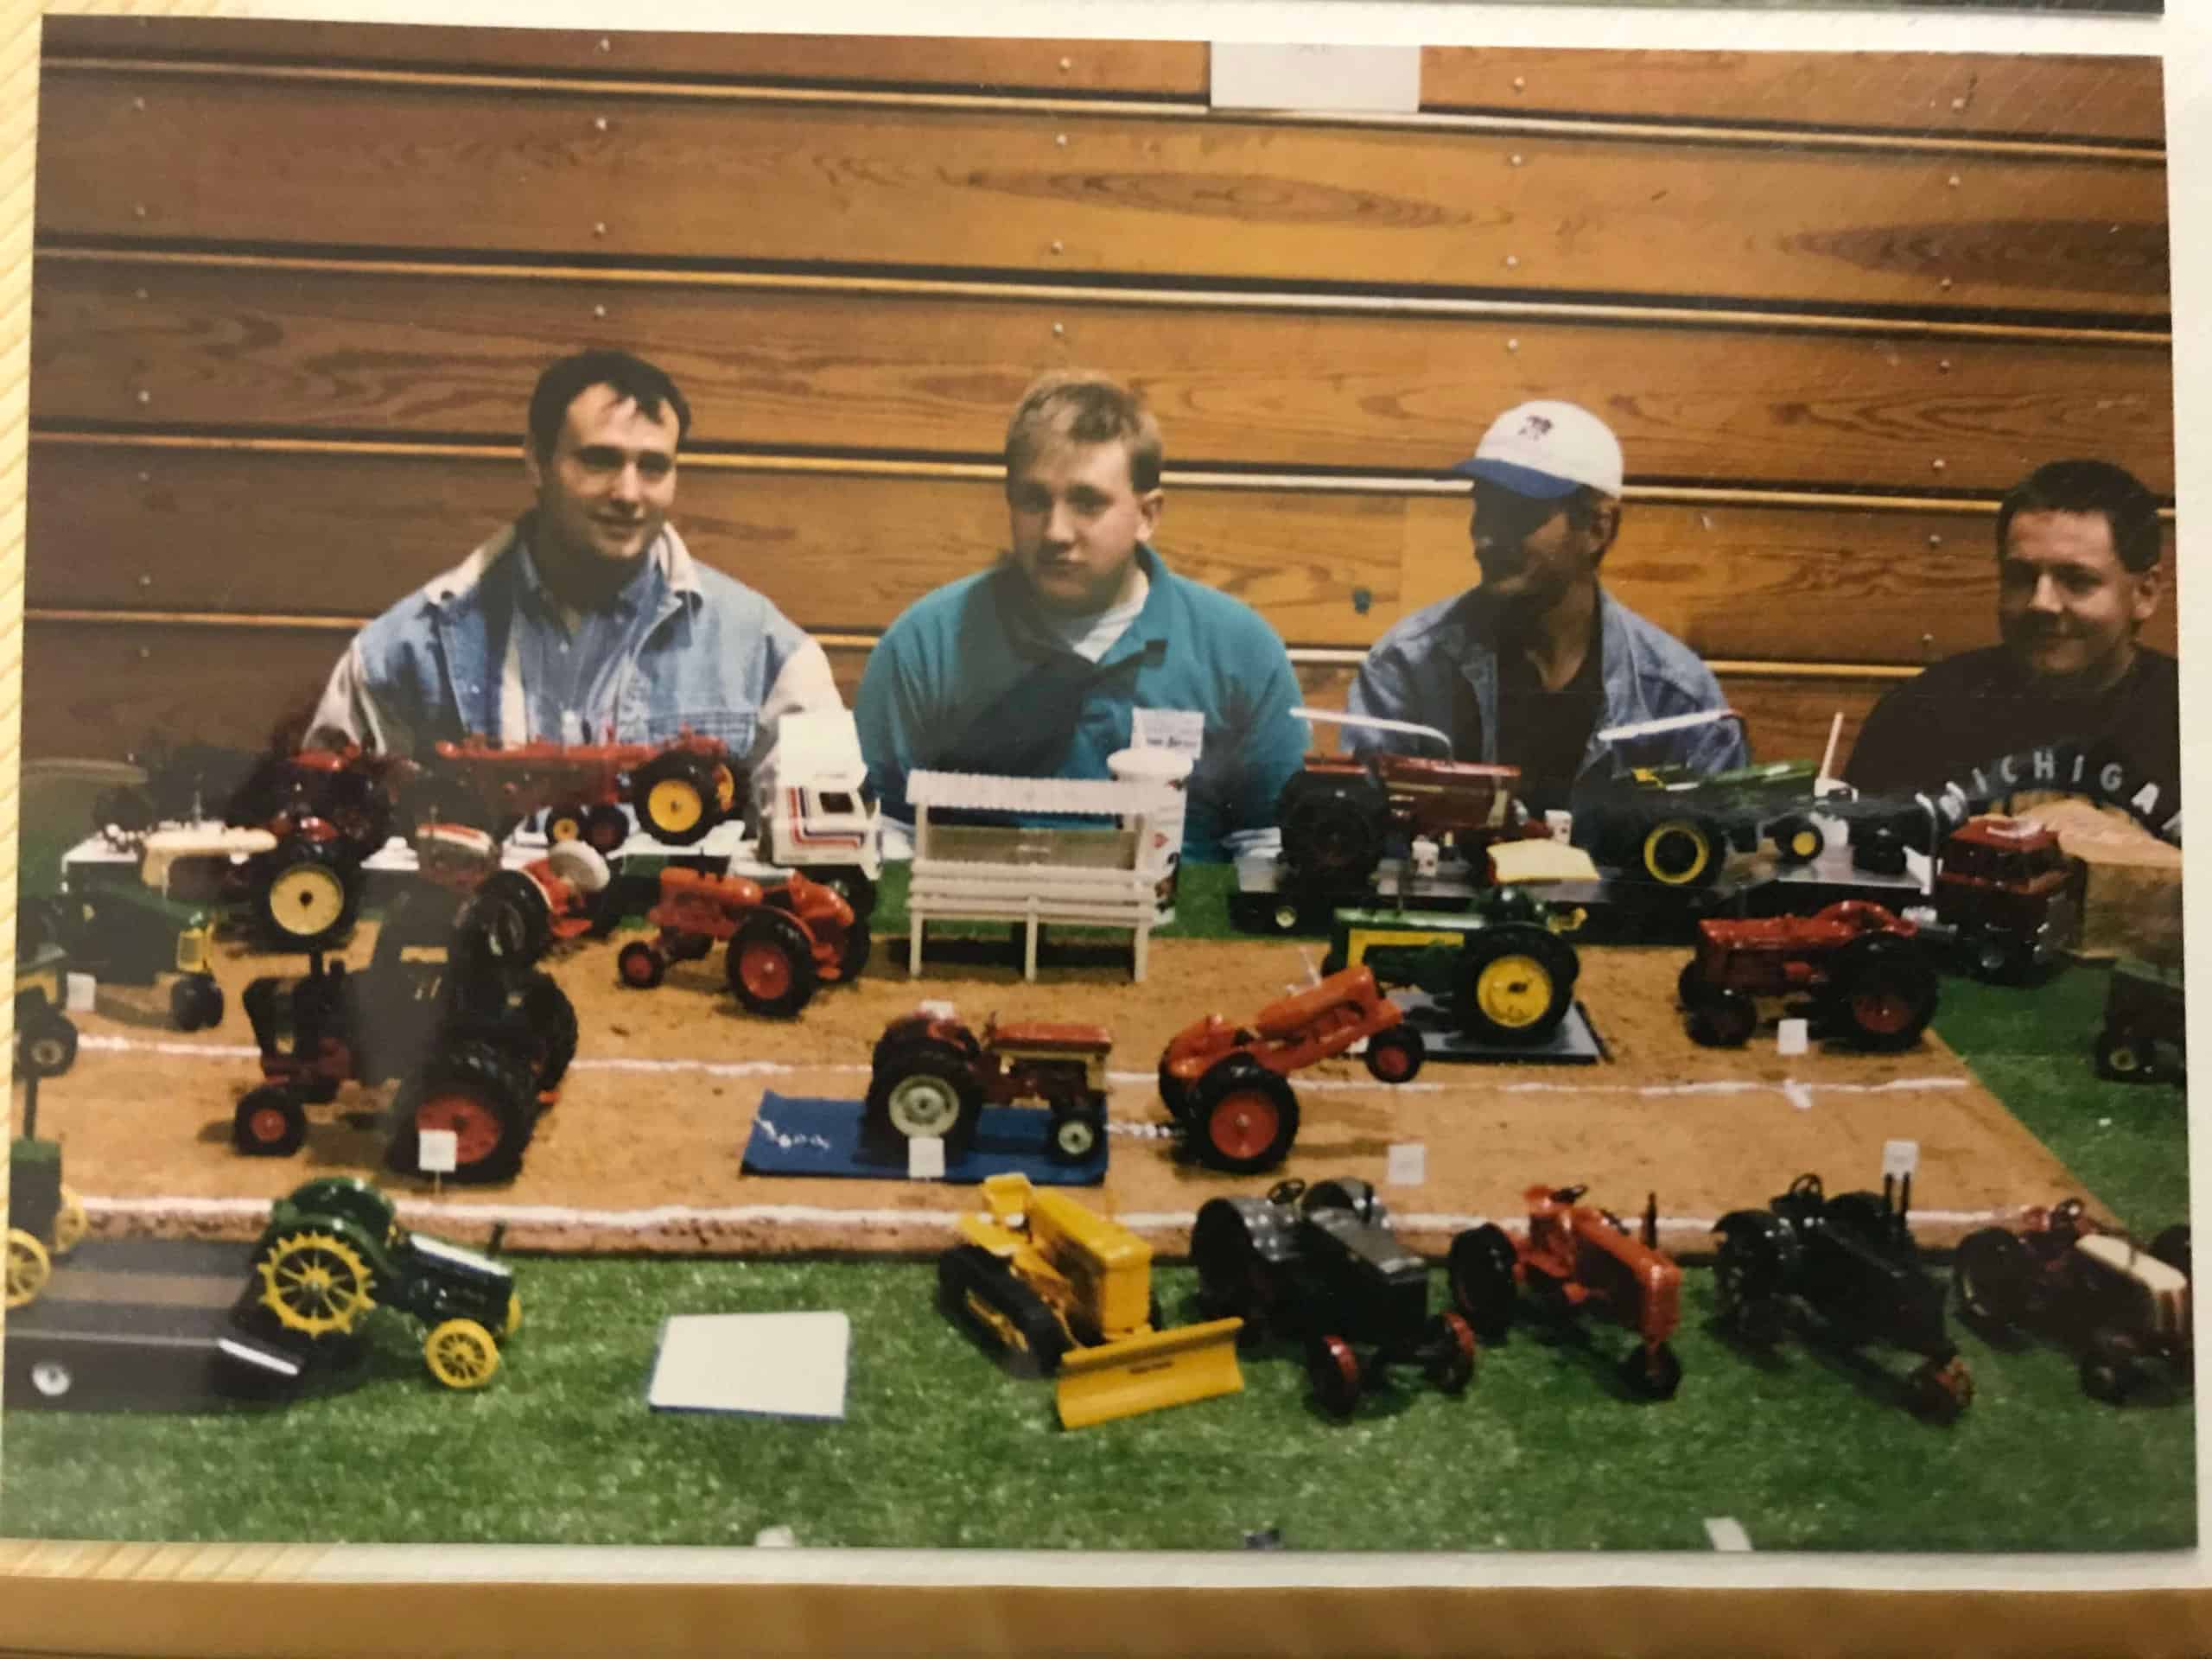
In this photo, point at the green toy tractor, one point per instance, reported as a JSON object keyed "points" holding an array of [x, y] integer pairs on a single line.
{"points": [[45, 1219], [334, 1250]]}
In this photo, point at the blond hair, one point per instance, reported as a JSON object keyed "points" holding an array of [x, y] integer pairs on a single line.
{"points": [[1084, 406]]}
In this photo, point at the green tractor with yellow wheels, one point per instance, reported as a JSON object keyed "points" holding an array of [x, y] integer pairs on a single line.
{"points": [[1501, 967], [334, 1251], [1669, 825]]}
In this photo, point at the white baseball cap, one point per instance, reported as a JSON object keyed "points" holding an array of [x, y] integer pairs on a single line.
{"points": [[1546, 450]]}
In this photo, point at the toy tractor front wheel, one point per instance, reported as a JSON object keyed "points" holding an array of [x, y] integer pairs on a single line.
{"points": [[1942, 1389], [1244, 1117], [641, 964], [461, 1354], [1886, 993], [1722, 1019], [1480, 1268], [1395, 1055], [1449, 1353], [2172, 1247], [1681, 852], [676, 798], [45, 1042], [1797, 839], [1515, 985], [272, 1122], [1652, 1373], [28, 1270], [1335, 1372], [1992, 1271], [771, 964], [71, 1223], [488, 1099], [983, 1294], [1078, 1127], [307, 896], [195, 1002], [2121, 1058]]}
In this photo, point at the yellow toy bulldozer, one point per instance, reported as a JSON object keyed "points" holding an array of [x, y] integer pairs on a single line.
{"points": [[1066, 1292]]}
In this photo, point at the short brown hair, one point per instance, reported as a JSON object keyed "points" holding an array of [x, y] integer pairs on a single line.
{"points": [[2130, 509], [1084, 406]]}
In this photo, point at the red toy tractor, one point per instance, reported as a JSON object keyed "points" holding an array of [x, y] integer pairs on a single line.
{"points": [[1226, 1086], [1574, 1258], [1339, 813], [932, 1076], [784, 941], [1862, 968], [680, 790]]}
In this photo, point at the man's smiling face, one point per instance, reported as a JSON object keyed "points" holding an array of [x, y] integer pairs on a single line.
{"points": [[2068, 609], [604, 493]]}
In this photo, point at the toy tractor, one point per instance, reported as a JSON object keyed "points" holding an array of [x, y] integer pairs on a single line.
{"points": [[680, 790], [2010, 895], [1675, 827], [134, 932], [1225, 1084], [1066, 1292], [1851, 1260], [784, 941], [1501, 967], [46, 1038], [1340, 813], [2094, 1289], [1574, 1258], [930, 1076], [1864, 973], [1320, 1264], [454, 1010], [334, 1251], [2146, 1037], [45, 1218]]}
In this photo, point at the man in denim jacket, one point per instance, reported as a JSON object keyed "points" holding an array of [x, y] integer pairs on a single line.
{"points": [[1526, 668], [587, 618]]}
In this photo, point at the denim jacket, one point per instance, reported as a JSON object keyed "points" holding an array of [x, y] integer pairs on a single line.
{"points": [[717, 658], [1437, 659]]}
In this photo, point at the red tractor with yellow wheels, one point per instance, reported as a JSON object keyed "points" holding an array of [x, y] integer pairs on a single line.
{"points": [[680, 790]]}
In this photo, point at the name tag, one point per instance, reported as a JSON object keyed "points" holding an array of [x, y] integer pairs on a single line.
{"points": [[1183, 730]]}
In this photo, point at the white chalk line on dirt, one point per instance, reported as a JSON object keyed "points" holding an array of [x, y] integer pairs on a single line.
{"points": [[668, 1216]]}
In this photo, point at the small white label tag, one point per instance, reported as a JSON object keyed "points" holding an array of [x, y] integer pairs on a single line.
{"points": [[1183, 730], [1409, 1164], [926, 1158], [80, 993], [437, 1152], [1790, 1037], [1899, 1159]]}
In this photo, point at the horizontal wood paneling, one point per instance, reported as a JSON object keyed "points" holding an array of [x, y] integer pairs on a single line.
{"points": [[101, 689], [320, 348], [258, 160], [126, 527], [1915, 92], [1153, 68]]}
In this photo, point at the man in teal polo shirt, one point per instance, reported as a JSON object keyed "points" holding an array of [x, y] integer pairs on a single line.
{"points": [[1080, 641]]}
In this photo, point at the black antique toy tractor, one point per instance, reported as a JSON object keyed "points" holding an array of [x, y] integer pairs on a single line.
{"points": [[2091, 1287], [1320, 1264], [451, 1006], [1851, 1261], [334, 1251]]}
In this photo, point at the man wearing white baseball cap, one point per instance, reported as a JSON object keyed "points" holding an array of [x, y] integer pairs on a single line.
{"points": [[1527, 668]]}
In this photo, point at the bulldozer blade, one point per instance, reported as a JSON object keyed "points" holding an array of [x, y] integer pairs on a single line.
{"points": [[1141, 1374]]}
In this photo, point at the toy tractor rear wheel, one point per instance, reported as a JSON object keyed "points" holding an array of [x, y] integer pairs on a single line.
{"points": [[1244, 1117], [1797, 839], [1992, 1271], [1652, 1373], [272, 1122], [1332, 829], [983, 1293], [1078, 1127], [1234, 1279], [315, 1283], [926, 1089], [771, 964], [1941, 1390], [2172, 1247], [2122, 1059], [1886, 993], [1681, 852], [676, 798], [1515, 984], [1722, 1019], [45, 1042], [1395, 1055], [28, 1267], [195, 1002], [461, 1354], [1174, 1094], [1748, 1273], [550, 1020], [1448, 1354], [1480, 1269], [307, 896], [487, 1098], [860, 945], [1334, 1370], [511, 914], [641, 964]]}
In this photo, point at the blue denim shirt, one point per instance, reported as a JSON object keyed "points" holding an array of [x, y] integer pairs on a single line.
{"points": [[1433, 661], [715, 658]]}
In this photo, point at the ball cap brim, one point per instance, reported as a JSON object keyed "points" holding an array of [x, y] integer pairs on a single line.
{"points": [[1522, 480], [1546, 450]]}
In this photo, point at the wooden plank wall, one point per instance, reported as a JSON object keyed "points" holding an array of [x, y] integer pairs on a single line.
{"points": [[294, 281]]}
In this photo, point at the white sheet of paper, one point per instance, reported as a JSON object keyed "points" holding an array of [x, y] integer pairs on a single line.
{"points": [[1791, 1037], [437, 1152], [1900, 1158], [1407, 1165], [926, 1159], [763, 1364], [80, 993]]}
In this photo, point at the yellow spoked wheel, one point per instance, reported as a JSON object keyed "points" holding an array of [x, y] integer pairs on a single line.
{"points": [[461, 1354], [315, 1283], [69, 1224], [514, 1314], [1679, 852], [1514, 991], [308, 900], [27, 1267], [674, 805]]}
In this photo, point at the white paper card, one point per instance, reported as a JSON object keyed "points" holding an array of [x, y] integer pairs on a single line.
{"points": [[1790, 1037], [80, 993], [1181, 730], [437, 1152], [1248, 76], [765, 1364], [926, 1158], [1407, 1165], [1899, 1159]]}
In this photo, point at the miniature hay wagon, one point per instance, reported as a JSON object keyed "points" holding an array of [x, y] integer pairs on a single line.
{"points": [[932, 1076], [1031, 874], [334, 1250]]}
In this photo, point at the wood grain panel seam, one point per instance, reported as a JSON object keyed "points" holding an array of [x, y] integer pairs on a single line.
{"points": [[1581, 128], [1732, 318]]}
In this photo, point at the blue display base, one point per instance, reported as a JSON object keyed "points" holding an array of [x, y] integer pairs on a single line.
{"points": [[798, 1136]]}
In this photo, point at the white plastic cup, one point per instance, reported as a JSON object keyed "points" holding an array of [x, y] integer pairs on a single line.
{"points": [[1169, 771]]}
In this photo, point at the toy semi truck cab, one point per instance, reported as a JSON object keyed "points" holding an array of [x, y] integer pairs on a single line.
{"points": [[812, 809], [2011, 893]]}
